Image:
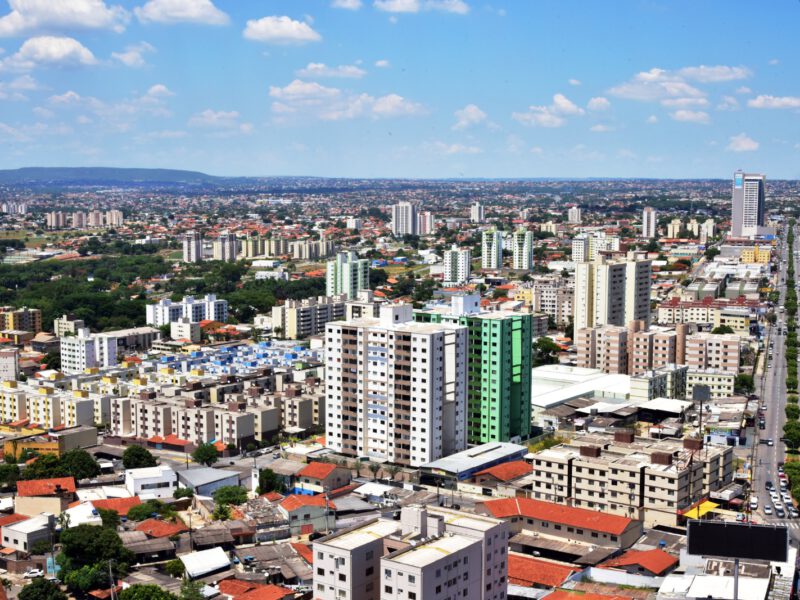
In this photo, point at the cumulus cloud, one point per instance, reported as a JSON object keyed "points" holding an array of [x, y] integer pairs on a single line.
{"points": [[414, 6], [280, 30], [714, 74], [690, 116], [765, 101], [221, 123], [728, 103], [742, 143], [394, 105], [684, 102], [313, 70], [468, 116], [50, 51], [652, 120], [449, 149], [382, 64], [298, 89], [346, 4], [655, 84], [167, 12], [598, 103], [553, 115], [744, 90], [38, 16], [133, 55]]}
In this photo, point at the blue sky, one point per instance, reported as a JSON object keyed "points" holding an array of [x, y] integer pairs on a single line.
{"points": [[403, 88]]}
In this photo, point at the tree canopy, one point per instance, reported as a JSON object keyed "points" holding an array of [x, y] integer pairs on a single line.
{"points": [[230, 494], [41, 589], [136, 457], [206, 454]]}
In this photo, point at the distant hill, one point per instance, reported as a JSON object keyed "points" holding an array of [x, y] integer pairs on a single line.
{"points": [[102, 176]]}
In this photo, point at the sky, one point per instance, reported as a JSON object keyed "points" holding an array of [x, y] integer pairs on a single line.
{"points": [[403, 88]]}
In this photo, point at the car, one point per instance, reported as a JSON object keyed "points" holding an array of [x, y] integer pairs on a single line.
{"points": [[741, 517], [794, 512], [764, 407], [770, 442], [762, 426], [774, 496], [780, 468], [276, 455], [777, 503], [787, 499], [769, 486], [767, 510], [779, 513], [31, 573]]}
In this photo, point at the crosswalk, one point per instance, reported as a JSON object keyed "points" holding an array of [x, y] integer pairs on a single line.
{"points": [[789, 523]]}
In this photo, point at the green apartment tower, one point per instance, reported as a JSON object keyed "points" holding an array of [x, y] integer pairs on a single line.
{"points": [[499, 355]]}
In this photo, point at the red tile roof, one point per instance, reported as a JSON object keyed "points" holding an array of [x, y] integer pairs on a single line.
{"points": [[656, 561], [317, 470], [567, 595], [120, 505], [45, 487], [304, 550], [273, 496], [558, 513], [12, 518], [527, 571], [295, 501], [156, 528], [267, 592], [234, 587], [508, 471]]}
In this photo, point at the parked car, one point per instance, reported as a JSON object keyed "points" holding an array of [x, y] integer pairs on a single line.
{"points": [[767, 510], [32, 573], [779, 513]]}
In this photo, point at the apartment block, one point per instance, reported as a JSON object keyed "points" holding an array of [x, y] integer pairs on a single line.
{"points": [[347, 275], [551, 297], [612, 292], [363, 305], [192, 247], [20, 319], [739, 311], [404, 219], [395, 389], [298, 319], [67, 324], [425, 223], [604, 348], [226, 247], [492, 249], [457, 266], [86, 351], [166, 311], [720, 383], [720, 352], [522, 249]]}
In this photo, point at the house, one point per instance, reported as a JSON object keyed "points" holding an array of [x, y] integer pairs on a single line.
{"points": [[205, 563], [204, 480], [503, 473], [158, 528], [527, 571], [37, 496], [147, 549], [317, 477], [22, 535], [151, 482], [307, 514], [655, 562], [121, 506], [236, 589]]}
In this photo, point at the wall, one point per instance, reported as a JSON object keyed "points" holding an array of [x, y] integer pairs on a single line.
{"points": [[622, 578]]}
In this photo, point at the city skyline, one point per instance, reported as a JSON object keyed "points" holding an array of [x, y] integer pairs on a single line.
{"points": [[426, 89]]}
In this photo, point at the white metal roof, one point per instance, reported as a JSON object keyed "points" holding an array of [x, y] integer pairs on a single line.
{"points": [[198, 564]]}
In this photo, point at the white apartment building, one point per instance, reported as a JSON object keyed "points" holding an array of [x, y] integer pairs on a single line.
{"points": [[674, 228], [431, 553], [457, 266], [192, 247], [425, 224], [184, 329], [354, 223], [395, 389], [574, 215], [67, 325], [476, 213], [226, 247], [166, 311], [551, 296], [612, 292], [586, 246], [9, 364], [346, 274], [404, 219], [707, 230], [114, 218], [299, 319], [748, 204], [649, 222], [492, 249], [523, 242], [87, 350]]}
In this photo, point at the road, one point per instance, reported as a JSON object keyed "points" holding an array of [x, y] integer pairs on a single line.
{"points": [[772, 391]]}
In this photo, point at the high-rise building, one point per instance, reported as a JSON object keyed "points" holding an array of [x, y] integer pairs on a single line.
{"points": [[649, 223], [404, 219], [192, 247], [56, 220], [707, 230], [476, 213], [611, 292], [79, 220], [347, 274], [523, 249], [574, 215], [553, 297], [674, 228], [354, 223], [253, 246], [67, 324], [396, 389], [585, 246], [298, 319], [96, 218], [457, 265], [20, 319], [713, 351], [203, 309], [499, 360], [114, 218], [748, 199], [425, 223], [492, 249], [604, 348], [86, 350], [226, 247]]}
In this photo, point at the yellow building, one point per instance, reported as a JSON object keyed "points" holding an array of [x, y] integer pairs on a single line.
{"points": [[736, 319], [755, 254]]}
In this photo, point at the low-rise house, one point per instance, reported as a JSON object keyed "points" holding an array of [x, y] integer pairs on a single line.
{"points": [[655, 563], [37, 496], [22, 535], [527, 571], [318, 477], [151, 482], [307, 514], [503, 473]]}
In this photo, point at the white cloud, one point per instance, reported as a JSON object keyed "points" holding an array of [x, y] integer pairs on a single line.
{"points": [[717, 73], [774, 61], [626, 153], [598, 103], [684, 102], [728, 103], [549, 116], [537, 150], [164, 134], [690, 116], [37, 16], [600, 128], [450, 149], [414, 6], [393, 105], [313, 70], [655, 84], [181, 11], [50, 51], [159, 90], [652, 120], [468, 116], [220, 120], [43, 113], [133, 56], [382, 64], [742, 143], [24, 83], [346, 4], [765, 101], [744, 90], [280, 30], [298, 89], [574, 81]]}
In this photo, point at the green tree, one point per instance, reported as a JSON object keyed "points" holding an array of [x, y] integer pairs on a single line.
{"points": [[743, 384], [145, 592], [45, 467], [80, 464], [374, 468], [88, 577], [792, 411], [230, 494], [206, 454], [545, 351], [183, 492], [191, 590], [222, 512], [146, 509], [52, 360], [722, 329], [9, 474], [136, 457], [110, 517], [41, 589], [269, 481], [175, 567], [88, 544], [41, 547]]}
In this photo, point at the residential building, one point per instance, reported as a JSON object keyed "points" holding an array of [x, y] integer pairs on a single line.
{"points": [[9, 364], [166, 311], [114, 218], [404, 219], [476, 213], [56, 220], [457, 266], [553, 297], [192, 247], [713, 351], [87, 350], [755, 255], [319, 477], [574, 215], [67, 325], [649, 223], [395, 388], [96, 218], [347, 274], [20, 319], [298, 319], [604, 348], [151, 482], [184, 329], [748, 204], [674, 228], [719, 383], [363, 305], [425, 225], [738, 311], [226, 247], [79, 220], [253, 247], [354, 223], [522, 249], [707, 230], [491, 249], [498, 369], [23, 535]]}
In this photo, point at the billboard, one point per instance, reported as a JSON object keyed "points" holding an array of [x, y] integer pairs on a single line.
{"points": [[738, 540]]}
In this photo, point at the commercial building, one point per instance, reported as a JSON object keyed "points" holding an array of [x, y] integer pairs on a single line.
{"points": [[346, 274], [226, 247], [395, 388], [87, 350], [748, 204], [492, 249], [457, 266], [151, 482], [192, 247], [499, 359], [166, 311], [649, 222], [298, 319], [404, 219], [522, 241]]}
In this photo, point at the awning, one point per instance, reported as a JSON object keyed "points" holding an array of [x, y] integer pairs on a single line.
{"points": [[702, 509]]}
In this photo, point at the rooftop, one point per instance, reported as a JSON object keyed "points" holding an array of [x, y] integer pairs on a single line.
{"points": [[433, 550], [476, 457], [354, 538], [557, 513], [46, 487]]}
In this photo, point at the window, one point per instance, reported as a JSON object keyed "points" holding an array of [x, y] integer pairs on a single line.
{"points": [[342, 577], [412, 579], [412, 596], [320, 571], [369, 555], [387, 589], [369, 571]]}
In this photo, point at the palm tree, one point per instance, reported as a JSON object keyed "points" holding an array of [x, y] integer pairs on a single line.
{"points": [[392, 471], [374, 468]]}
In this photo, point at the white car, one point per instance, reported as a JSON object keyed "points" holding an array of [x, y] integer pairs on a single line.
{"points": [[777, 504], [787, 498], [31, 573], [775, 497], [767, 510]]}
